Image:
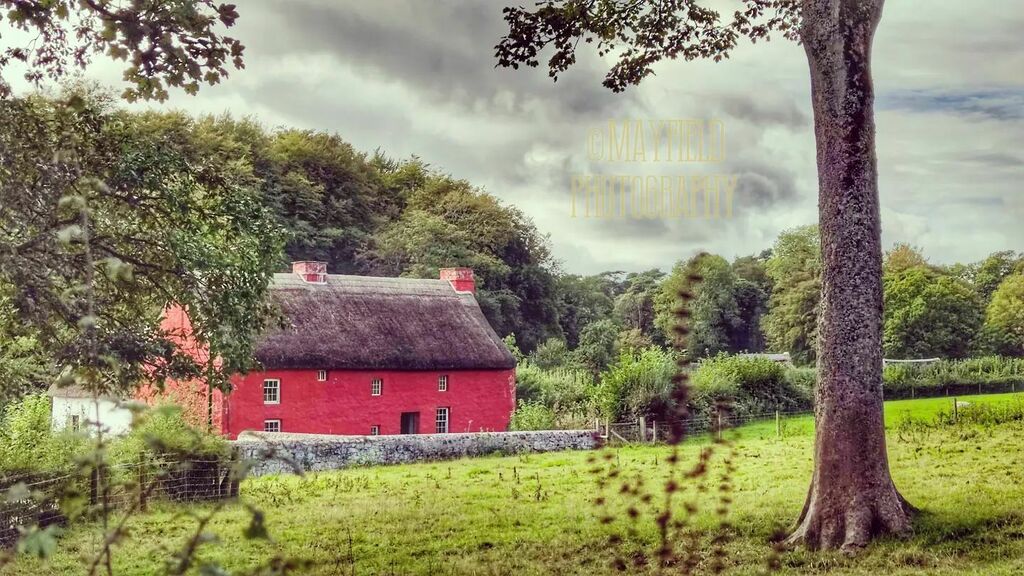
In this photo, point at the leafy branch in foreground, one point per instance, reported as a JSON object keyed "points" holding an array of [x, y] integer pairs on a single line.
{"points": [[162, 228], [164, 43], [625, 502]]}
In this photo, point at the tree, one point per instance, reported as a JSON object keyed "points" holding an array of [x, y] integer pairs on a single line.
{"points": [[715, 322], [791, 323], [852, 497], [991, 271], [634, 307], [632, 341], [329, 197], [1004, 318], [929, 314], [552, 353], [23, 366], [447, 222], [903, 257], [597, 345], [97, 239], [753, 289], [166, 43], [582, 300]]}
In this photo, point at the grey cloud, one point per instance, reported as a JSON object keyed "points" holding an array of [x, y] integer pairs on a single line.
{"points": [[1001, 103], [444, 48], [997, 160], [760, 111]]}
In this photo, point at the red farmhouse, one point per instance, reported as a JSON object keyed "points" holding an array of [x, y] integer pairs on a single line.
{"points": [[364, 355]]}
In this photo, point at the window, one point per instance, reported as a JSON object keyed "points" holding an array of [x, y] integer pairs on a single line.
{"points": [[271, 425], [321, 376], [271, 391], [442, 383], [376, 387], [374, 430], [441, 422], [76, 423]]}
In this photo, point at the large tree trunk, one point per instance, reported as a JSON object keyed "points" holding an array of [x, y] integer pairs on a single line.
{"points": [[852, 497]]}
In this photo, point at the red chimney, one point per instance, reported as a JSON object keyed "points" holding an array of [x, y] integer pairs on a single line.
{"points": [[461, 279], [311, 272]]}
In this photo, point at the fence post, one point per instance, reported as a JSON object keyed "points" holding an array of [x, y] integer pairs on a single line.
{"points": [[142, 482], [654, 432], [719, 423], [643, 429], [608, 428], [94, 485], [956, 415], [778, 424]]}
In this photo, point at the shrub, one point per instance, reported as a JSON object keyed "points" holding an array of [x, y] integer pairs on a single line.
{"points": [[569, 394], [162, 432], [638, 384], [984, 414], [751, 386], [27, 441], [802, 379], [973, 375], [532, 416], [550, 354]]}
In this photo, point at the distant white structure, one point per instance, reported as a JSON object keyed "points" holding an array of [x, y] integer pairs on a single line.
{"points": [[782, 358], [73, 408], [887, 361]]}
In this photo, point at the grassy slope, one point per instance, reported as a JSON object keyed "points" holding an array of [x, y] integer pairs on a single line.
{"points": [[533, 514]]}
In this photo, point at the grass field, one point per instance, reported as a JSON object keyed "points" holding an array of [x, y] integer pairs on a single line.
{"points": [[534, 514]]}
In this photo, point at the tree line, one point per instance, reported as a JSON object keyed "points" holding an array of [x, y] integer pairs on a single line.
{"points": [[770, 301]]}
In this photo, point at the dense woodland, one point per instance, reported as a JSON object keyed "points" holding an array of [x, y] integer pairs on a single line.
{"points": [[249, 200]]}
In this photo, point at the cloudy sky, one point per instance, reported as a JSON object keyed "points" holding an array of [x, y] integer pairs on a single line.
{"points": [[417, 78]]}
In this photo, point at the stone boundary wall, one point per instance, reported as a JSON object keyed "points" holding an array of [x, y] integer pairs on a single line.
{"points": [[276, 453]]}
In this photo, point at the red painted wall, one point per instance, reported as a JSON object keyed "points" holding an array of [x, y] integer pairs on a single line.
{"points": [[192, 395], [478, 400]]}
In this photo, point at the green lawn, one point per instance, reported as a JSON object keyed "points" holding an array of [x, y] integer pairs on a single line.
{"points": [[534, 514]]}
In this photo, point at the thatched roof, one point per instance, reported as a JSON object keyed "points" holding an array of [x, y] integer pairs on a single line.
{"points": [[360, 322], [74, 391]]}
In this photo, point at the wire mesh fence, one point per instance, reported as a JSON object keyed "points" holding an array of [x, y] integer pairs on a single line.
{"points": [[44, 499], [653, 431]]}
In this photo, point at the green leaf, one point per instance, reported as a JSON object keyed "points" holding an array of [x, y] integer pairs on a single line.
{"points": [[17, 493], [39, 542]]}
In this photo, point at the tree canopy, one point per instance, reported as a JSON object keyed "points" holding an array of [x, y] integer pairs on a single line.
{"points": [[164, 43], [104, 234], [791, 323], [1004, 317]]}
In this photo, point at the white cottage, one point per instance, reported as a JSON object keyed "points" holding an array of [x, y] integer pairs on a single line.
{"points": [[77, 409]]}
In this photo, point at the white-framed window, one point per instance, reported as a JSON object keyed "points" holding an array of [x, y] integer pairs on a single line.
{"points": [[321, 376], [441, 422], [375, 430], [76, 423], [271, 391], [442, 383], [271, 425], [376, 387]]}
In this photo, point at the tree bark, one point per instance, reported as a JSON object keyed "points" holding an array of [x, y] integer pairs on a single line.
{"points": [[852, 497]]}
